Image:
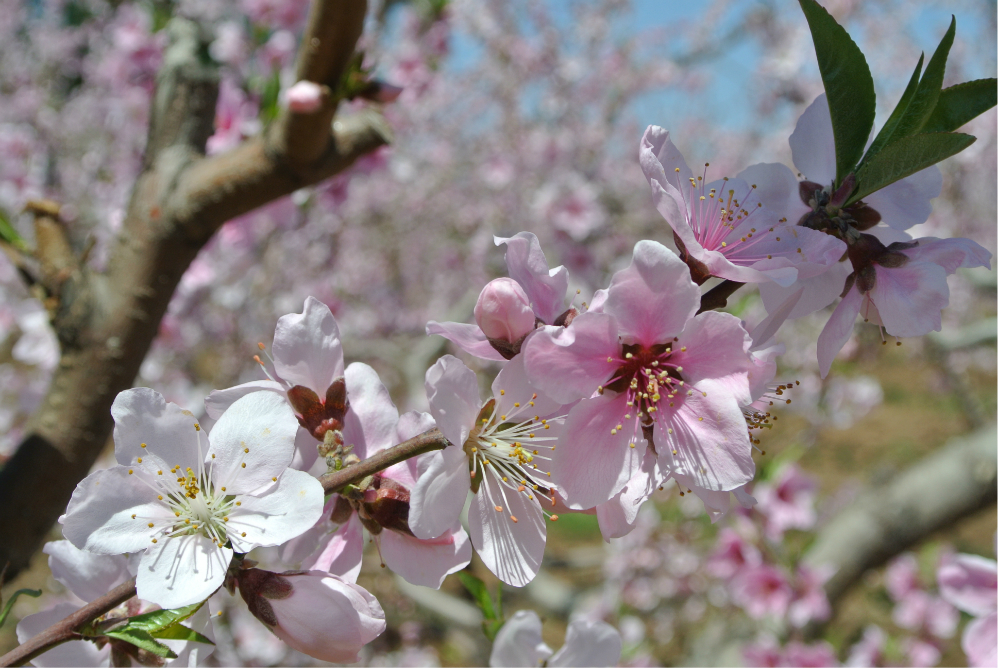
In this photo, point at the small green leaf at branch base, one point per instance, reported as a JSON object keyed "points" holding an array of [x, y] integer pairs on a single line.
{"points": [[906, 156], [492, 611], [962, 103], [33, 593], [848, 86], [157, 620], [181, 632], [10, 235], [142, 640]]}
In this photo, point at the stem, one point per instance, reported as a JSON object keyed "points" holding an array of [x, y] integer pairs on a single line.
{"points": [[717, 296], [68, 628], [417, 445]]}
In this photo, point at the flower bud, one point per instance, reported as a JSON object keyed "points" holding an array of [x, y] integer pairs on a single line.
{"points": [[314, 612], [503, 311], [304, 97]]}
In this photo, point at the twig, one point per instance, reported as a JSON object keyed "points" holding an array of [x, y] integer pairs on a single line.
{"points": [[68, 628], [426, 442], [717, 296]]}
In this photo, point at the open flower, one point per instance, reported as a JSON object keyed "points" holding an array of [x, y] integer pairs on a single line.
{"points": [[970, 583], [645, 367], [734, 228], [587, 643], [495, 452], [543, 288], [190, 501]]}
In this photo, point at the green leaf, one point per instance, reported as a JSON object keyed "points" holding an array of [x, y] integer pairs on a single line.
{"points": [[491, 611], [10, 235], [142, 640], [885, 133], [181, 632], [924, 101], [961, 103], [33, 593], [905, 157], [157, 620], [848, 85]]}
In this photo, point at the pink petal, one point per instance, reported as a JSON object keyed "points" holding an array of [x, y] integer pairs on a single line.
{"points": [[305, 97], [716, 347], [307, 347], [590, 464], [503, 311], [950, 254], [970, 583], [511, 550], [341, 552], [838, 329], [980, 640], [512, 386], [766, 330], [652, 298], [452, 390], [659, 160], [716, 504], [616, 516], [306, 451], [813, 144], [568, 363], [469, 338], [218, 401], [910, 299], [371, 403], [777, 188], [819, 291], [440, 492], [708, 441], [426, 562], [528, 267], [908, 202]]}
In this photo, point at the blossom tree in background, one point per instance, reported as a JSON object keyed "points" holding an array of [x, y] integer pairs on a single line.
{"points": [[264, 179]]}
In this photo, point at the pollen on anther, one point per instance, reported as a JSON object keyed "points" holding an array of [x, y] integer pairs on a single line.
{"points": [[502, 393], [554, 518], [246, 450], [159, 496], [513, 517], [150, 525], [129, 471], [274, 479], [133, 516], [223, 489], [498, 509], [243, 534], [142, 445], [243, 465], [239, 503], [154, 540], [139, 460]]}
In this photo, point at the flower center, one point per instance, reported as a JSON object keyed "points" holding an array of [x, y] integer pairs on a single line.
{"points": [[649, 377]]}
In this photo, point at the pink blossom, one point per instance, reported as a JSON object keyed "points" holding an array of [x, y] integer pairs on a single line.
{"points": [[304, 97], [970, 583], [869, 651], [810, 601], [762, 591], [817, 655], [503, 312], [641, 363], [921, 653], [731, 554], [734, 228], [544, 288], [901, 576], [787, 501], [901, 287], [313, 612]]}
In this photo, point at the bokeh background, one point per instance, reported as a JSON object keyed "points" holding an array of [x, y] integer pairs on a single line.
{"points": [[520, 115]]}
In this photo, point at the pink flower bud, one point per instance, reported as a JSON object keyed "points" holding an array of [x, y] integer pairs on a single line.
{"points": [[314, 612], [304, 97], [503, 311]]}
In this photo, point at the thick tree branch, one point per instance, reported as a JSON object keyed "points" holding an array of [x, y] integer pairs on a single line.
{"points": [[948, 485], [717, 296], [426, 442], [70, 627], [107, 322]]}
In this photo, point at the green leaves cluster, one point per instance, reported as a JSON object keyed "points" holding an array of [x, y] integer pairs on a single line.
{"points": [[920, 130], [491, 609], [146, 630]]}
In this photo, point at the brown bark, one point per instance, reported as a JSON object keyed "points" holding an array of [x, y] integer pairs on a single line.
{"points": [[106, 322]]}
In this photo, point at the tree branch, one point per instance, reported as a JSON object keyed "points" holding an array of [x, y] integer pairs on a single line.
{"points": [[70, 627], [426, 442], [717, 296], [950, 484], [107, 322]]}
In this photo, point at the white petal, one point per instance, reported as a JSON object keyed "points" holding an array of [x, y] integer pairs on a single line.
{"points": [[588, 644], [218, 401], [259, 431], [528, 267], [908, 202], [86, 574], [142, 416], [370, 401], [440, 492], [426, 562], [287, 509], [452, 390], [73, 653], [307, 347], [99, 516], [180, 571], [813, 144], [511, 550], [341, 552], [519, 642], [511, 386]]}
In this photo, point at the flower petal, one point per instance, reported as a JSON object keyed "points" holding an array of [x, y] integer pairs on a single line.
{"points": [[908, 202], [469, 338], [569, 363], [307, 347], [306, 451], [616, 516], [519, 642], [970, 583], [252, 443], [426, 562], [182, 570], [370, 401], [813, 144], [588, 643], [511, 386], [527, 265], [838, 329], [910, 299], [441, 490], [218, 401], [716, 347], [818, 291], [980, 641], [340, 552], [287, 509], [141, 416], [513, 550], [590, 463], [653, 297], [81, 653], [86, 574], [950, 254], [776, 187], [99, 516], [452, 391]]}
